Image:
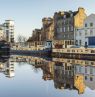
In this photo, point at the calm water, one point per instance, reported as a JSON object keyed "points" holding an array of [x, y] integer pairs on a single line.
{"points": [[27, 76]]}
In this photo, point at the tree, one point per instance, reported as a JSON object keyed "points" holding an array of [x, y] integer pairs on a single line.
{"points": [[21, 39]]}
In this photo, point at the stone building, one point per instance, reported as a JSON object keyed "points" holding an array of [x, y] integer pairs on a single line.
{"points": [[47, 29], [36, 35], [65, 23]]}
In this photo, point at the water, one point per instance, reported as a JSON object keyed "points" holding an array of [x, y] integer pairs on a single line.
{"points": [[27, 76]]}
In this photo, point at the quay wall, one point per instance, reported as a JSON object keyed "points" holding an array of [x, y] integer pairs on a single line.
{"points": [[42, 53], [73, 56], [33, 53]]}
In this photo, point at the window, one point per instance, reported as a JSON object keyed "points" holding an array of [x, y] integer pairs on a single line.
{"points": [[85, 44], [68, 36], [11, 36], [91, 32], [68, 28], [76, 42], [11, 32], [85, 70], [80, 69], [64, 29], [64, 22], [60, 29], [91, 24], [64, 36], [85, 77], [72, 28], [91, 70], [49, 43], [70, 42], [85, 32], [80, 42], [85, 25], [92, 63], [76, 33], [79, 33], [91, 79], [57, 29], [68, 50], [73, 50], [92, 51]]}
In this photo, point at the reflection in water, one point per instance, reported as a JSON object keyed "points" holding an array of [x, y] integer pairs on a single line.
{"points": [[7, 67], [65, 78], [65, 73]]}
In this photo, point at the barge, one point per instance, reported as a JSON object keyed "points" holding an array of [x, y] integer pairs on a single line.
{"points": [[4, 48], [45, 50]]}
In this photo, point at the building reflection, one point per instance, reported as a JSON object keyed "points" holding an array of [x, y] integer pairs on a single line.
{"points": [[65, 73], [65, 78], [48, 70], [7, 67], [88, 72]]}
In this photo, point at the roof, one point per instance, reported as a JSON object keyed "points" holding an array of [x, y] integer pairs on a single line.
{"points": [[30, 39], [67, 13], [91, 17]]}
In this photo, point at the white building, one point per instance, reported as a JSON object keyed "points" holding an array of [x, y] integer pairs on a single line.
{"points": [[86, 35], [9, 68], [1, 33], [88, 72], [9, 30]]}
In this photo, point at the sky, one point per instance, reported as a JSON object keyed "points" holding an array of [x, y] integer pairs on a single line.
{"points": [[28, 14]]}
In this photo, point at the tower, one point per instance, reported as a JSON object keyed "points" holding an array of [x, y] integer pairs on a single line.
{"points": [[9, 30]]}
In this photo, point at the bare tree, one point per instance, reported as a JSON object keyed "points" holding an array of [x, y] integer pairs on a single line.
{"points": [[24, 39], [21, 39]]}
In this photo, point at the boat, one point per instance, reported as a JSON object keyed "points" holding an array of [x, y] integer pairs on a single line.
{"points": [[46, 50], [4, 48]]}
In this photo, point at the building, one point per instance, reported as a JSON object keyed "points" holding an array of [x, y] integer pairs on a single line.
{"points": [[1, 33], [66, 22], [50, 31], [63, 76], [47, 29], [34, 42], [36, 35], [86, 35], [88, 72], [48, 70], [9, 30], [7, 67], [79, 83]]}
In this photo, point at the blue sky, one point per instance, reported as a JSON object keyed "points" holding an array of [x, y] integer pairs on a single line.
{"points": [[27, 14]]}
